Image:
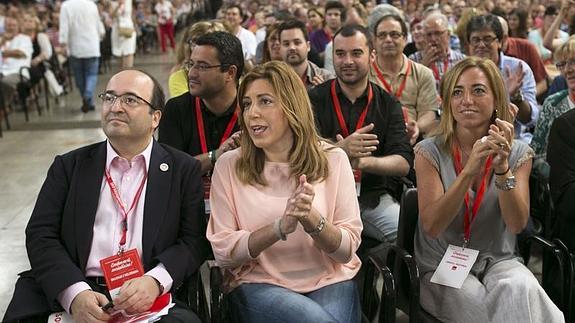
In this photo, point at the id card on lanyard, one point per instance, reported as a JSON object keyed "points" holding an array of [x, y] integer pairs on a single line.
{"points": [[207, 179], [126, 264], [343, 126], [458, 261]]}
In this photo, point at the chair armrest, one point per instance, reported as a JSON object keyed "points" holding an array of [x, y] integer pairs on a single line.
{"points": [[406, 275], [216, 293], [388, 293], [569, 272]]}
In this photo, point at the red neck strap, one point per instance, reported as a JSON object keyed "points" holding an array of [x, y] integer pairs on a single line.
{"points": [[337, 108], [201, 130], [387, 86], [471, 214]]}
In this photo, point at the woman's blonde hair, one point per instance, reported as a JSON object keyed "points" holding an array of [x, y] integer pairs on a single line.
{"points": [[566, 50], [446, 129], [194, 32], [307, 156]]}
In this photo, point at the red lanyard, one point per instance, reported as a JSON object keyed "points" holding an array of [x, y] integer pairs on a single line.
{"points": [[572, 96], [436, 71], [337, 108], [201, 131], [387, 86], [478, 198], [328, 34], [118, 201]]}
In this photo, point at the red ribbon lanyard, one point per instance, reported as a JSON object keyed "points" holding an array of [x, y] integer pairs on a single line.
{"points": [[480, 193], [328, 34], [436, 71], [387, 86], [337, 108], [118, 201], [201, 132]]}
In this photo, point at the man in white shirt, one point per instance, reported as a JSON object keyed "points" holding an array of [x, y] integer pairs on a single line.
{"points": [[16, 53], [234, 16], [80, 31]]}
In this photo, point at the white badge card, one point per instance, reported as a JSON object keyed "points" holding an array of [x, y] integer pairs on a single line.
{"points": [[455, 266], [357, 178], [60, 317]]}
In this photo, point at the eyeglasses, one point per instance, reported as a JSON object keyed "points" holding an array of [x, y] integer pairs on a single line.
{"points": [[435, 34], [130, 100], [201, 67], [487, 40], [393, 34], [565, 64]]}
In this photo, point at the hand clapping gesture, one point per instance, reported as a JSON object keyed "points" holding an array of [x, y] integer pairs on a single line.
{"points": [[298, 206]]}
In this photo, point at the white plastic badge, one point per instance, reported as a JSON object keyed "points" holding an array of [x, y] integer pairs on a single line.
{"points": [[455, 266], [357, 178]]}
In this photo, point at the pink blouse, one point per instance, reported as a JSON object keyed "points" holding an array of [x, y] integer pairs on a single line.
{"points": [[238, 209]]}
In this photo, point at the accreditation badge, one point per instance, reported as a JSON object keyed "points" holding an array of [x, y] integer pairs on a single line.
{"points": [[207, 185], [357, 178], [120, 268], [455, 266]]}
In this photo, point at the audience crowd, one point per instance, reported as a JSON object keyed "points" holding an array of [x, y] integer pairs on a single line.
{"points": [[310, 116]]}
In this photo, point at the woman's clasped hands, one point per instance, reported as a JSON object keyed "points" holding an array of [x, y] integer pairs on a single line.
{"points": [[298, 207]]}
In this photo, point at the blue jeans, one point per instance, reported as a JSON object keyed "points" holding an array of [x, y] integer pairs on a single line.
{"points": [[86, 76], [266, 303], [381, 222]]}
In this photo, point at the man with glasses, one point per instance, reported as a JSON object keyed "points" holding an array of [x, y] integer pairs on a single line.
{"points": [[437, 54], [485, 37], [410, 82], [294, 49], [203, 121], [128, 195]]}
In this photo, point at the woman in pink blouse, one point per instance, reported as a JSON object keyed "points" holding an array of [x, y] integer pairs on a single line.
{"points": [[285, 221]]}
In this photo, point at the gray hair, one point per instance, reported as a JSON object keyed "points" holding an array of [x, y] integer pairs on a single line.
{"points": [[437, 16], [380, 11]]}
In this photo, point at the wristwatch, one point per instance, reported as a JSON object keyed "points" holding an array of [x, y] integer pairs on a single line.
{"points": [[317, 230], [212, 156], [507, 184]]}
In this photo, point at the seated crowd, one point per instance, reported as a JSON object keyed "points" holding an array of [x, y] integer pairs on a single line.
{"points": [[286, 142]]}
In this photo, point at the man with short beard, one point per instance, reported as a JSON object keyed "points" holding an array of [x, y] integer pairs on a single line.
{"points": [[367, 123], [294, 48], [203, 121]]}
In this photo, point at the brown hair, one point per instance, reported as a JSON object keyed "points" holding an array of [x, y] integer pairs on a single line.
{"points": [[307, 156]]}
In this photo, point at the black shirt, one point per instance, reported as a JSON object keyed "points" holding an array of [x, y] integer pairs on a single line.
{"points": [[386, 115], [179, 127]]}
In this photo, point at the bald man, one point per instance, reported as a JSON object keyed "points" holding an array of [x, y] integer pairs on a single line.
{"points": [[125, 195]]}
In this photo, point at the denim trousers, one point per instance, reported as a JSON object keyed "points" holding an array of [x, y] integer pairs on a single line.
{"points": [[259, 302], [86, 76], [381, 222]]}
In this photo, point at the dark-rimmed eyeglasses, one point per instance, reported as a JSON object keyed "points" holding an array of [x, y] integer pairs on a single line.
{"points": [[130, 100], [565, 64], [487, 41], [393, 34], [200, 67]]}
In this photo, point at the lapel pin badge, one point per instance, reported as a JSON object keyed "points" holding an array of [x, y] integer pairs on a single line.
{"points": [[164, 167]]}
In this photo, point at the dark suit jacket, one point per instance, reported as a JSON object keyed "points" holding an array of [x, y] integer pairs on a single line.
{"points": [[561, 158], [59, 234]]}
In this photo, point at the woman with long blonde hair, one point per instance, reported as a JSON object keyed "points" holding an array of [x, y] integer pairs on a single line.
{"points": [[473, 196], [285, 221]]}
